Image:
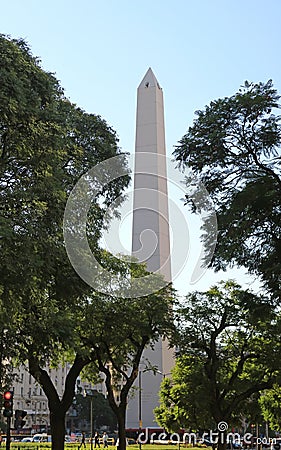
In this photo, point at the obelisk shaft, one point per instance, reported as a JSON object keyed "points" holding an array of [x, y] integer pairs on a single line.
{"points": [[151, 241]]}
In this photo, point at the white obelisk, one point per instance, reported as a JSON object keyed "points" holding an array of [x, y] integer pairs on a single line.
{"points": [[151, 238]]}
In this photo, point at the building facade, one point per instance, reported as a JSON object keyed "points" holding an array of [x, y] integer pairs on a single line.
{"points": [[29, 397]]}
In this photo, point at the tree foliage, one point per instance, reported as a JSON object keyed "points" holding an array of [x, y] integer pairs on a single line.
{"points": [[119, 331], [229, 351], [233, 147], [102, 413], [270, 403], [108, 335], [46, 144]]}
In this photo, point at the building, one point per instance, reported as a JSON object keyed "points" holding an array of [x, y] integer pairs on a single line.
{"points": [[29, 397]]}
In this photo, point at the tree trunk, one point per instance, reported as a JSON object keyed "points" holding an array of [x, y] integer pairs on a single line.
{"points": [[121, 419], [222, 440], [58, 407], [57, 421]]}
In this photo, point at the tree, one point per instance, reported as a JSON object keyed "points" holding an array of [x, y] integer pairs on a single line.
{"points": [[233, 147], [102, 413], [120, 331], [183, 398], [270, 406], [229, 343], [46, 144], [108, 335]]}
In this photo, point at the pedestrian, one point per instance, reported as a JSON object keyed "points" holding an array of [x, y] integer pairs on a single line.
{"points": [[97, 439], [105, 439], [83, 440]]}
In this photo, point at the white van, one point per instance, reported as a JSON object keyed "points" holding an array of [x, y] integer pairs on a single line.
{"points": [[42, 437]]}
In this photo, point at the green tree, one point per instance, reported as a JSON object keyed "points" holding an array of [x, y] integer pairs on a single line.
{"points": [[229, 343], [270, 403], [102, 413], [104, 334], [46, 144], [233, 147], [120, 330], [183, 398]]}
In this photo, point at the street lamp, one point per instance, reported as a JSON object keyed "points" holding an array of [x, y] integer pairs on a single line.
{"points": [[164, 375], [140, 411], [140, 393], [90, 393], [147, 369]]}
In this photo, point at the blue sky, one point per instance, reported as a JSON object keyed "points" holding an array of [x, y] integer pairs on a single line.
{"points": [[199, 51]]}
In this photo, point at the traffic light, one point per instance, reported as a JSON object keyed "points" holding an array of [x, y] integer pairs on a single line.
{"points": [[19, 416], [8, 403]]}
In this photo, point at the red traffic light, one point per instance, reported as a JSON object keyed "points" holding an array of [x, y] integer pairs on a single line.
{"points": [[8, 395], [8, 404]]}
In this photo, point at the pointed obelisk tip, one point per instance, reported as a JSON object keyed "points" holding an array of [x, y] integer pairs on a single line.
{"points": [[149, 80]]}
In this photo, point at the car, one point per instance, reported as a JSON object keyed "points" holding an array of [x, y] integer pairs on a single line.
{"points": [[78, 436], [42, 437], [27, 439]]}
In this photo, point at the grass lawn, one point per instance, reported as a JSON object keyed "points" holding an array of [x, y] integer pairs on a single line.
{"points": [[74, 445], [165, 447]]}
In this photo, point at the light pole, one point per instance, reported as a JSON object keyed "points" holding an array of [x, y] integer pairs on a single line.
{"points": [[164, 375], [90, 393], [140, 411], [140, 394], [140, 400], [91, 419]]}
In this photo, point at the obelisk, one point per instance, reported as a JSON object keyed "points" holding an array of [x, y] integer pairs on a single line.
{"points": [[151, 237]]}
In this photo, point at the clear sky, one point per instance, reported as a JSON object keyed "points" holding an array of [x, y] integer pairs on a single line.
{"points": [[199, 51]]}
